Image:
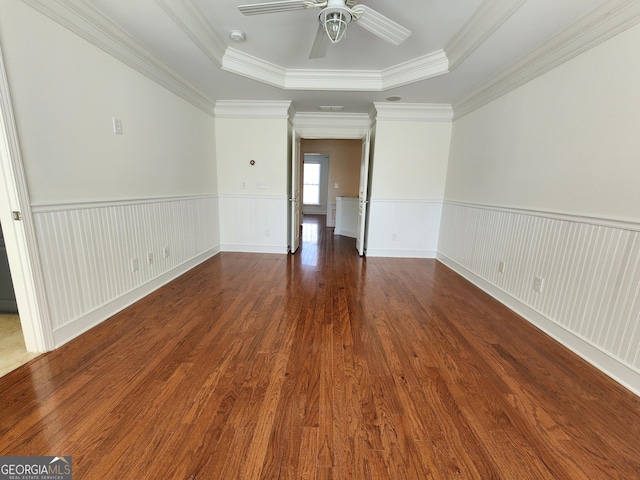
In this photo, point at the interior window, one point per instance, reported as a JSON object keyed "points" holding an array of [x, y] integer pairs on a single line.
{"points": [[311, 181]]}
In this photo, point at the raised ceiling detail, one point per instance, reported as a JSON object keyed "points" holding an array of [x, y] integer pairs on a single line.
{"points": [[463, 53], [488, 17]]}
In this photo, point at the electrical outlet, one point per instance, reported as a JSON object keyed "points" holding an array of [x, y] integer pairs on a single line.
{"points": [[149, 258], [165, 251], [537, 284], [267, 233], [134, 265], [501, 266], [394, 237]]}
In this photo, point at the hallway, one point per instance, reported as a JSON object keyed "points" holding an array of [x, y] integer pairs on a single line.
{"points": [[320, 365]]}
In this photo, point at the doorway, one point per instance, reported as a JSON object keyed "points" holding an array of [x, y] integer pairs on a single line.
{"points": [[13, 351], [343, 158]]}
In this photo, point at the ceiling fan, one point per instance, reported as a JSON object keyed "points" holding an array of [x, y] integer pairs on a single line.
{"points": [[334, 18]]}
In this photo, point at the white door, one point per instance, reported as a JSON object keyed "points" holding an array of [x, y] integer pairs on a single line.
{"points": [[294, 196], [363, 195]]}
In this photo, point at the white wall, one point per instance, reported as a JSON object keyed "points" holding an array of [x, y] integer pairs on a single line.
{"points": [[545, 178], [99, 199], [408, 184], [566, 142], [251, 218], [65, 92], [410, 159]]}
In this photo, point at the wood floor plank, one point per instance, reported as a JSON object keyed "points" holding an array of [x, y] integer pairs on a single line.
{"points": [[320, 365]]}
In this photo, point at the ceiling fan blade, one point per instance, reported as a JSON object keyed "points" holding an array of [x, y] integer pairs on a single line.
{"points": [[379, 25], [320, 44], [274, 7]]}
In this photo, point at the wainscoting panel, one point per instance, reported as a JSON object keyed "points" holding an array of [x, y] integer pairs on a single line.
{"points": [[253, 224], [590, 270], [87, 253], [403, 228]]}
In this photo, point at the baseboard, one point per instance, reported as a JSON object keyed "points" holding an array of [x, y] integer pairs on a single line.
{"points": [[386, 252], [242, 248], [78, 326], [345, 233], [622, 373]]}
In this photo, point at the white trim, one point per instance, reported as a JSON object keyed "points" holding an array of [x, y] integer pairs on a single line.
{"points": [[400, 253], [252, 109], [422, 68], [248, 66], [249, 248], [413, 112], [622, 373], [263, 197], [332, 119], [486, 19], [88, 23], [600, 221], [329, 80], [404, 200], [602, 23], [332, 125], [78, 326], [46, 207], [189, 17], [20, 238]]}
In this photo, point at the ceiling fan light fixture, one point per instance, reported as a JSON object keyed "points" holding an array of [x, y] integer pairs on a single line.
{"points": [[335, 21]]}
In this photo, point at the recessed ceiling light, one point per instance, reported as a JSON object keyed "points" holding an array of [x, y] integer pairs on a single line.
{"points": [[393, 99], [331, 108], [237, 36]]}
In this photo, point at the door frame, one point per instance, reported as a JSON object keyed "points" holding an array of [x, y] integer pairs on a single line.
{"points": [[294, 193], [19, 234], [335, 126], [364, 196]]}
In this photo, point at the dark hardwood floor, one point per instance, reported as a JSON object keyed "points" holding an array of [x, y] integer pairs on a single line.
{"points": [[320, 365]]}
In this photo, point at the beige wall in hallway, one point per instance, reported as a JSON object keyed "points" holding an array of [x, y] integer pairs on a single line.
{"points": [[344, 164]]}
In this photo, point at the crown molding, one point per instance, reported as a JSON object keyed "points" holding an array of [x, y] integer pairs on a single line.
{"points": [[413, 112], [240, 63], [427, 66], [342, 80], [88, 23], [332, 125], [485, 20], [252, 109], [191, 20], [421, 68], [602, 23]]}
